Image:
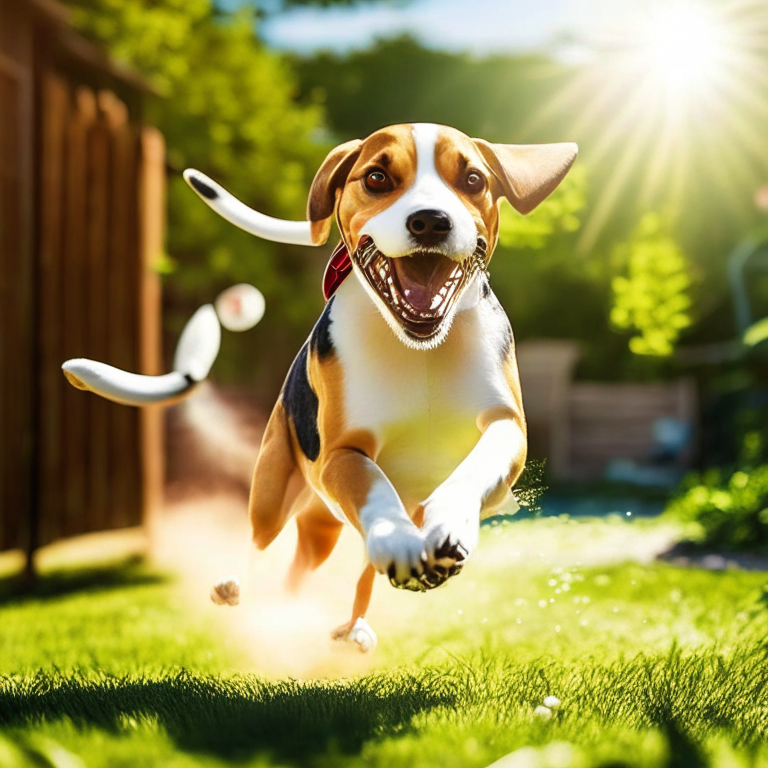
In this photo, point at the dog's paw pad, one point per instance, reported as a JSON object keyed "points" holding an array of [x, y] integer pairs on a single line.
{"points": [[360, 634], [226, 591]]}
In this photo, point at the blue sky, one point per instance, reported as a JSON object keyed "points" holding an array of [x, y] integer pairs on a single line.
{"points": [[480, 26]]}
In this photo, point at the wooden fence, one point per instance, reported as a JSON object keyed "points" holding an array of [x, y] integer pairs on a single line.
{"points": [[81, 220], [580, 427]]}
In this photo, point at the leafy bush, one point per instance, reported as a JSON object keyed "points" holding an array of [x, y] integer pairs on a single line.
{"points": [[652, 299], [729, 512]]}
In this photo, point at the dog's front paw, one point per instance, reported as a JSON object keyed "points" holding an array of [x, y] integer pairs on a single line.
{"points": [[397, 549], [451, 530]]}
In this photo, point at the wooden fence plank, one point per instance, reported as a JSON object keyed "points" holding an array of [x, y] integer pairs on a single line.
{"points": [[76, 404], [121, 320], [15, 301], [52, 280], [96, 310], [152, 218]]}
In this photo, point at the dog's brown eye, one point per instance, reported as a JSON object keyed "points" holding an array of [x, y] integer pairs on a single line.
{"points": [[475, 181], [378, 181]]}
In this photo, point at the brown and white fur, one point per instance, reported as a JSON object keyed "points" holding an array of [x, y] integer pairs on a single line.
{"points": [[399, 419], [410, 440]]}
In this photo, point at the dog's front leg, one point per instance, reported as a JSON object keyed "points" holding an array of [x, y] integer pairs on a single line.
{"points": [[481, 482], [357, 486]]}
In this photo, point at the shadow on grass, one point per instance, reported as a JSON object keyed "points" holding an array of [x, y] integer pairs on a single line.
{"points": [[236, 717], [66, 581]]}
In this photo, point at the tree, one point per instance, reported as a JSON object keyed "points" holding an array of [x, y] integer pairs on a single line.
{"points": [[228, 107]]}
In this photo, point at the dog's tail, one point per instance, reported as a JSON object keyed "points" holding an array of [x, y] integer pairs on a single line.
{"points": [[238, 308], [195, 354]]}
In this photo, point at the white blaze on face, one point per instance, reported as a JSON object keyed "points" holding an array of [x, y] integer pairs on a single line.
{"points": [[429, 192]]}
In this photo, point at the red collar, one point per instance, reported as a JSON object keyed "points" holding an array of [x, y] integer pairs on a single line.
{"points": [[337, 270]]}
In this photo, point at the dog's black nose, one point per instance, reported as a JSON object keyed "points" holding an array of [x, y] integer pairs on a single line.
{"points": [[429, 227]]}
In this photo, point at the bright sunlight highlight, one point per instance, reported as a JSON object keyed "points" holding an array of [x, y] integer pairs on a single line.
{"points": [[678, 91], [686, 46]]}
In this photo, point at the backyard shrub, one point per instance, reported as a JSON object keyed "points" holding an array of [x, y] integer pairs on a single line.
{"points": [[725, 511]]}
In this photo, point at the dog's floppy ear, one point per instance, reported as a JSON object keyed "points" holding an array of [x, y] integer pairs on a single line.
{"points": [[528, 173], [329, 180]]}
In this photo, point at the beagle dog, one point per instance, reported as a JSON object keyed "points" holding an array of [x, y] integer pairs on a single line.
{"points": [[402, 414]]}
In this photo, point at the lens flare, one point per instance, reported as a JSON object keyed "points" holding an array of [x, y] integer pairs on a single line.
{"points": [[674, 100]]}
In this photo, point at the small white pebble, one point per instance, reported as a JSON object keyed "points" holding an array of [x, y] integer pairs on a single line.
{"points": [[552, 702], [543, 712]]}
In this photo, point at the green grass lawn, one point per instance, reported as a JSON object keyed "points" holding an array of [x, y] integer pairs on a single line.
{"points": [[654, 665]]}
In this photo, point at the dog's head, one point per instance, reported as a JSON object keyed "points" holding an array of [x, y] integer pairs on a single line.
{"points": [[418, 210]]}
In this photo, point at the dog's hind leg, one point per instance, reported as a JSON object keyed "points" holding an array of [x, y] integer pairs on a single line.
{"points": [[268, 507], [357, 630], [318, 532], [276, 483]]}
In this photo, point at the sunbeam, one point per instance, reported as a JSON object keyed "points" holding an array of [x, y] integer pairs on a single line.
{"points": [[676, 96]]}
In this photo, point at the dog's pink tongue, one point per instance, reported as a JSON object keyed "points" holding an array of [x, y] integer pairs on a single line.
{"points": [[421, 278]]}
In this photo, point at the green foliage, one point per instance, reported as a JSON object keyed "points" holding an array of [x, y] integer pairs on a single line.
{"points": [[557, 214], [228, 107], [652, 297], [330, 3], [530, 486], [725, 511], [756, 333], [398, 80]]}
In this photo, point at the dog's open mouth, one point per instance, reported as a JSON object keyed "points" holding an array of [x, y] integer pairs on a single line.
{"points": [[420, 290]]}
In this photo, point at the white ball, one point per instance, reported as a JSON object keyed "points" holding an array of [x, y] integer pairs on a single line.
{"points": [[552, 702], [545, 713], [240, 307]]}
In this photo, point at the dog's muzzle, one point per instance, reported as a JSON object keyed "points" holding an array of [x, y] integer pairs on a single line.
{"points": [[420, 290]]}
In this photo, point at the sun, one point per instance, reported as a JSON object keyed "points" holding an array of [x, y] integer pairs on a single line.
{"points": [[685, 47], [676, 96]]}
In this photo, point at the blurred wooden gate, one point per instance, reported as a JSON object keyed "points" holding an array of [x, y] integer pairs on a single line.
{"points": [[81, 220]]}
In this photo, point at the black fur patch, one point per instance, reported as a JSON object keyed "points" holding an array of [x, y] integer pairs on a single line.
{"points": [[486, 289], [301, 405], [493, 300], [320, 341], [509, 339], [202, 187]]}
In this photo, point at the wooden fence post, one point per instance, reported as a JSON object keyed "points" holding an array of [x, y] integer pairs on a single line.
{"points": [[152, 218]]}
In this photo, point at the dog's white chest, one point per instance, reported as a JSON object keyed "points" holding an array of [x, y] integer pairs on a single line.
{"points": [[422, 405]]}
